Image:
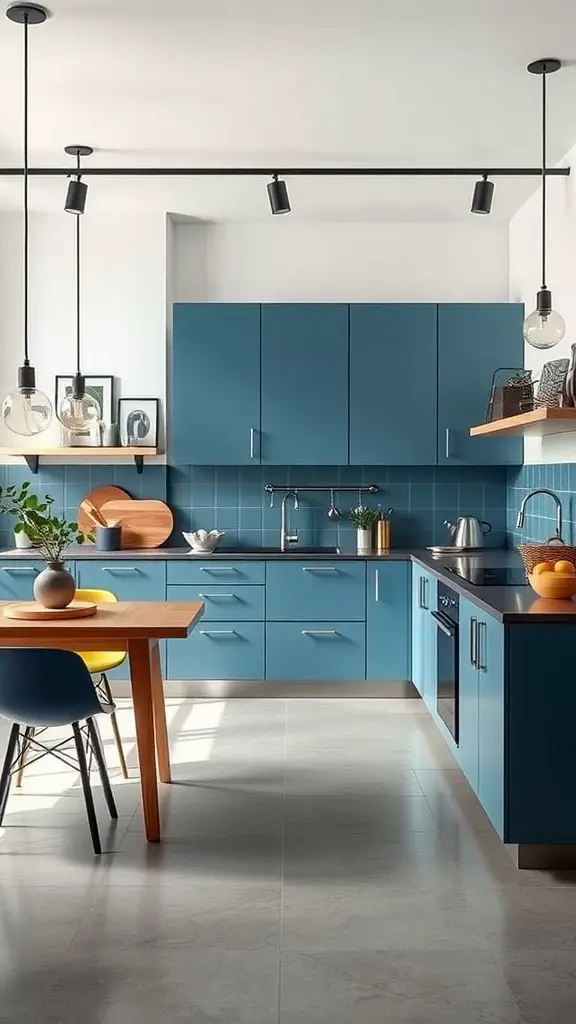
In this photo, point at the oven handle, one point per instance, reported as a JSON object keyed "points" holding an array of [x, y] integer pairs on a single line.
{"points": [[444, 623]]}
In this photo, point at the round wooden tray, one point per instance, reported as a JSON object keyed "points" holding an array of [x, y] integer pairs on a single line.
{"points": [[32, 610]]}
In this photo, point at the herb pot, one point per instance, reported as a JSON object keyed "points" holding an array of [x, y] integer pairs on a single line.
{"points": [[364, 541], [54, 587]]}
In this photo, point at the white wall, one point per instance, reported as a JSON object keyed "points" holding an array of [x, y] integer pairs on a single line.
{"points": [[283, 259], [123, 301], [524, 248]]}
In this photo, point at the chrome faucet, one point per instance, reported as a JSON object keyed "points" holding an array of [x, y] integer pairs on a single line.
{"points": [[526, 499], [285, 537]]}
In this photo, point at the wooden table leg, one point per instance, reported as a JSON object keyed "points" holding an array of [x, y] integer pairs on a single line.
{"points": [[160, 726], [141, 680]]}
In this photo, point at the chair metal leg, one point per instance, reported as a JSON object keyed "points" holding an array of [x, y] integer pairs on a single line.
{"points": [[28, 735], [115, 728], [6, 769], [88, 797], [95, 740]]}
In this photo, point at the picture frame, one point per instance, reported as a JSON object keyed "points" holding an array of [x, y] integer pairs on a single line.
{"points": [[138, 420], [101, 387]]}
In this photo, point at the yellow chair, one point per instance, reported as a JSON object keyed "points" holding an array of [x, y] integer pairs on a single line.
{"points": [[99, 663]]}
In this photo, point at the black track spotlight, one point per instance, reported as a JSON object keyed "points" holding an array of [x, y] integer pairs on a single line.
{"points": [[77, 189], [278, 196], [482, 198]]}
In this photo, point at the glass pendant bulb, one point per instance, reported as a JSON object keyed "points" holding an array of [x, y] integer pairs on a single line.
{"points": [[26, 410], [544, 328], [79, 410]]}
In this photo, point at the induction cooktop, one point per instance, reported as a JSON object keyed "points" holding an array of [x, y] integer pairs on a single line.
{"points": [[497, 576]]}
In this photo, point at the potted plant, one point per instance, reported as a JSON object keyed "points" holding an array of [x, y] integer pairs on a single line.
{"points": [[54, 587], [364, 519]]}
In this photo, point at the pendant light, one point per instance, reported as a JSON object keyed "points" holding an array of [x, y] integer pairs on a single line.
{"points": [[544, 328], [78, 410], [482, 198], [26, 410], [278, 196]]}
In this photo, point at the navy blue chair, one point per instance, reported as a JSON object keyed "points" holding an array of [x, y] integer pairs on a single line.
{"points": [[43, 688]]}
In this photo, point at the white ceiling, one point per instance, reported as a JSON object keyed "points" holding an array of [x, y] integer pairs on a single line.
{"points": [[303, 82]]}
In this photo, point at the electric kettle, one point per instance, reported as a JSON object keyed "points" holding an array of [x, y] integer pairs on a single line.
{"points": [[468, 532]]}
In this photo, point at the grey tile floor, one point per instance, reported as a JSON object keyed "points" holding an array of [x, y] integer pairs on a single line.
{"points": [[324, 862]]}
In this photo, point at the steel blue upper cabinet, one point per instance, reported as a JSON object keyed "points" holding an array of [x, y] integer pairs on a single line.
{"points": [[393, 371], [216, 384], [304, 384], [474, 339], [388, 621]]}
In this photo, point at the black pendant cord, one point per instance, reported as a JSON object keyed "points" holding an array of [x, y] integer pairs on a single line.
{"points": [[26, 359], [544, 181], [78, 283]]}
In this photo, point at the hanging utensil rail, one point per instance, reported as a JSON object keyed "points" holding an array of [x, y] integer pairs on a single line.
{"points": [[369, 488]]}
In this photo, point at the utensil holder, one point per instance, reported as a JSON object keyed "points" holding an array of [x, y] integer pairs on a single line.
{"points": [[108, 538], [383, 536]]}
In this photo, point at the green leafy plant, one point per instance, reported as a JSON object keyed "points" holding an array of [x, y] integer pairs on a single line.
{"points": [[364, 517], [50, 534]]}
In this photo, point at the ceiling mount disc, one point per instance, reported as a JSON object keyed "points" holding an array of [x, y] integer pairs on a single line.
{"points": [[78, 150], [31, 14], [544, 66]]}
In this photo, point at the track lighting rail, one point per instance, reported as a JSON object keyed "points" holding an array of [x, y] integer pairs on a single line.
{"points": [[254, 172]]}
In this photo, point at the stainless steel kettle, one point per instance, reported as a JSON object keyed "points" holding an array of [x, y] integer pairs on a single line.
{"points": [[468, 532]]}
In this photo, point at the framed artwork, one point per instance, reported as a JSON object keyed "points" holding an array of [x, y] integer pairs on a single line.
{"points": [[138, 422], [101, 388]]}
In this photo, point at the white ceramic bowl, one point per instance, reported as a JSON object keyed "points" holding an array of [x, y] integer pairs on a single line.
{"points": [[202, 541]]}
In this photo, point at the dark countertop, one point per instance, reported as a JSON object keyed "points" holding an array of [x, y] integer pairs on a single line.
{"points": [[507, 604]]}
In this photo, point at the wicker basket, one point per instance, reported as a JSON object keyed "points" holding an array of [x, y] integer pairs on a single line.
{"points": [[550, 552]]}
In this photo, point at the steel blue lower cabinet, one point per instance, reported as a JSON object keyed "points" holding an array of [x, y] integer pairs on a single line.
{"points": [[219, 650], [17, 579], [332, 591], [491, 719], [388, 621], [223, 603], [467, 750], [322, 651], [424, 635]]}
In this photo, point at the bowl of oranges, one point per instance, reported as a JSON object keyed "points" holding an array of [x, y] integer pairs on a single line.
{"points": [[554, 580]]}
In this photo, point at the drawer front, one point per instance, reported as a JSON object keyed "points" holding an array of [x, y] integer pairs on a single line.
{"points": [[232, 650], [323, 651], [197, 573], [243, 603], [316, 590], [17, 579], [129, 581]]}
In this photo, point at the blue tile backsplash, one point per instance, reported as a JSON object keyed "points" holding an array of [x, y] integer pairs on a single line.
{"points": [[540, 521], [233, 499]]}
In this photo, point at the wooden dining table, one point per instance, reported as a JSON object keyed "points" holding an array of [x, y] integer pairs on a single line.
{"points": [[135, 627]]}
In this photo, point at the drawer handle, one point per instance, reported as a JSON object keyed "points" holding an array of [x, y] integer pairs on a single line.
{"points": [[320, 632], [218, 568], [211, 597], [119, 568], [27, 569], [319, 568], [218, 632]]}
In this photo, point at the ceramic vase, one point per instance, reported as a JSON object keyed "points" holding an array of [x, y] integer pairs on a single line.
{"points": [[54, 587], [364, 541]]}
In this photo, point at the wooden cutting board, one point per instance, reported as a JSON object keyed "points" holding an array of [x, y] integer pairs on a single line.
{"points": [[145, 524], [32, 610], [99, 496]]}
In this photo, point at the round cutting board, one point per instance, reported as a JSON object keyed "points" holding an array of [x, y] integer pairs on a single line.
{"points": [[31, 610], [145, 524], [99, 496]]}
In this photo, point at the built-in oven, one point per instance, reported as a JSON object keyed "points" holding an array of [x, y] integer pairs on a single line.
{"points": [[447, 688]]}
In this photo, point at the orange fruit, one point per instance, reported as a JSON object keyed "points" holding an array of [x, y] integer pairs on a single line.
{"points": [[543, 567], [565, 567]]}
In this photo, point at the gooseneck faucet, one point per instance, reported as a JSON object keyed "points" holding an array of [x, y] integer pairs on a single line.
{"points": [[285, 537], [555, 498]]}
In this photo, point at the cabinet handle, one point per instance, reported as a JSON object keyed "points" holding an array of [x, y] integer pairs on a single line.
{"points": [[119, 568], [377, 585], [319, 568], [209, 597], [425, 583], [480, 661], [320, 632], [474, 642], [420, 594], [218, 568], [448, 443], [27, 569], [252, 439], [217, 632]]}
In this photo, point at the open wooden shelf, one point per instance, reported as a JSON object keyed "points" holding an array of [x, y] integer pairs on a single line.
{"points": [[33, 455], [537, 423]]}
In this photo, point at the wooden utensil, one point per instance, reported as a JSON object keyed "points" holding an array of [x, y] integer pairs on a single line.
{"points": [[32, 610], [98, 497], [145, 524], [94, 515]]}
